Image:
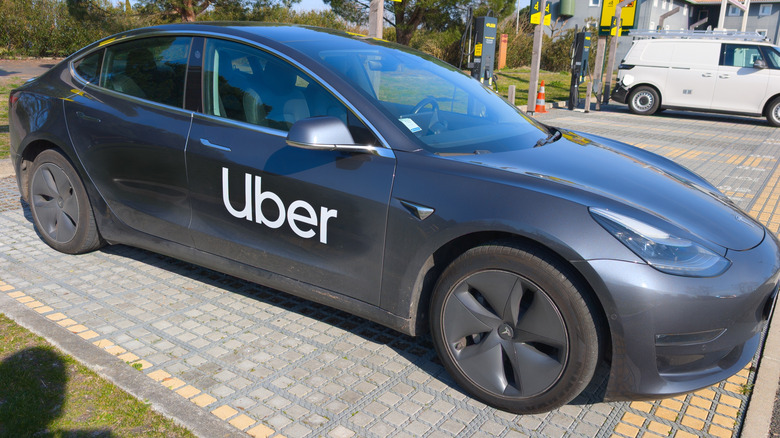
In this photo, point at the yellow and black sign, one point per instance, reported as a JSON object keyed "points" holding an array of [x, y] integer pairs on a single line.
{"points": [[627, 14], [535, 13]]}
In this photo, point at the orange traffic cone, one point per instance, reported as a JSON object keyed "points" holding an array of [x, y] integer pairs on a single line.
{"points": [[540, 108]]}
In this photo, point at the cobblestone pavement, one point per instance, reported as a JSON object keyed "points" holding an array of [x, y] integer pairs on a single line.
{"points": [[274, 365]]}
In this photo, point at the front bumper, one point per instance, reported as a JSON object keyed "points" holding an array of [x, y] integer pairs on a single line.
{"points": [[620, 94], [671, 334]]}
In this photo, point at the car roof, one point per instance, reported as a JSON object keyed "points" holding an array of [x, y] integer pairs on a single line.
{"points": [[255, 31]]}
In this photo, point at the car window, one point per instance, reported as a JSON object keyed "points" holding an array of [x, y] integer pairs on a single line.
{"points": [[740, 55], [249, 85], [150, 68], [772, 57], [432, 102], [88, 67]]}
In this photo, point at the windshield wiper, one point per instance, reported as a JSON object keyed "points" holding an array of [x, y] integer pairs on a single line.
{"points": [[553, 137]]}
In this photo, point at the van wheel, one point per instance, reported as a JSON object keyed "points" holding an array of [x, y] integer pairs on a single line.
{"points": [[644, 100], [773, 112]]}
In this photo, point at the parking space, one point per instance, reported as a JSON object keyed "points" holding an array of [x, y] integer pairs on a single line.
{"points": [[274, 365]]}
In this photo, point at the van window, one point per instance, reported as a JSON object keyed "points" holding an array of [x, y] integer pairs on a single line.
{"points": [[772, 57], [739, 55]]}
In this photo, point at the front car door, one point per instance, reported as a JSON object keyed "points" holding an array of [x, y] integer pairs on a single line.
{"points": [[740, 87], [129, 128], [315, 216]]}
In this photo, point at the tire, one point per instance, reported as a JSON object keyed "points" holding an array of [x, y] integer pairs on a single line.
{"points": [[60, 207], [773, 112], [515, 328], [644, 100]]}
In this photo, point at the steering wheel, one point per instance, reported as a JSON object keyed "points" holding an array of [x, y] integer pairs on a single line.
{"points": [[434, 125], [426, 100]]}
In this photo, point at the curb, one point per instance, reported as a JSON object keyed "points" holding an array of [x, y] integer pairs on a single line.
{"points": [[758, 418], [136, 383]]}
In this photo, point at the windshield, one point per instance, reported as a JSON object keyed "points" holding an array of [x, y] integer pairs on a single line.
{"points": [[444, 110]]}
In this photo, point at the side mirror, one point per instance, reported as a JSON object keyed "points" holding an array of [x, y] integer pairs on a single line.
{"points": [[759, 64], [326, 133]]}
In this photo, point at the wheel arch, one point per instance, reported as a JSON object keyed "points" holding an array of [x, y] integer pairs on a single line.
{"points": [[768, 103], [28, 155], [442, 257]]}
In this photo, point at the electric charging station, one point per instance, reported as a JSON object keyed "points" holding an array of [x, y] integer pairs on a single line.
{"points": [[580, 50], [484, 49], [481, 56]]}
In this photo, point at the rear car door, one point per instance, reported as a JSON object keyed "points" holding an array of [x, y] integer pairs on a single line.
{"points": [[316, 216], [740, 87], [129, 129]]}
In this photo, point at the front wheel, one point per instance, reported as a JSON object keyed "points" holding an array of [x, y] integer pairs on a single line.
{"points": [[60, 207], [644, 100], [773, 112], [514, 327]]}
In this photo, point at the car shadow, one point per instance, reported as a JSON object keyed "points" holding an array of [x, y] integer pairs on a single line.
{"points": [[418, 351], [33, 385], [692, 115]]}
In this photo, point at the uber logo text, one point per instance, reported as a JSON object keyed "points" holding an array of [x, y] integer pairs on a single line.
{"points": [[298, 215]]}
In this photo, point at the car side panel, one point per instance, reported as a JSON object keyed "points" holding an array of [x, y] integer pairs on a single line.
{"points": [[461, 199]]}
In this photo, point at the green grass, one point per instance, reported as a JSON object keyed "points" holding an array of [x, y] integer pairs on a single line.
{"points": [[556, 85], [46, 393], [5, 88]]}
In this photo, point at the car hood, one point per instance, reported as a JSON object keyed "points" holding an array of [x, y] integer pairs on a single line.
{"points": [[637, 180]]}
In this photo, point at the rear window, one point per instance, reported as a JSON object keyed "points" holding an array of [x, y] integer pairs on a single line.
{"points": [[88, 67], [150, 68]]}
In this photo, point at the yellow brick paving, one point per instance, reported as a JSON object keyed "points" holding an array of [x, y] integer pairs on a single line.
{"points": [[196, 396]]}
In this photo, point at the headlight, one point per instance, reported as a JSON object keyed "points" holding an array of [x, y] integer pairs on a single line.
{"points": [[661, 250], [628, 80]]}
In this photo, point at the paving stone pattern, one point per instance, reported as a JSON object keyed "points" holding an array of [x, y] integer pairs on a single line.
{"points": [[275, 365]]}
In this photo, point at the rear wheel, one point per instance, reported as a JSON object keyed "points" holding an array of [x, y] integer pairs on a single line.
{"points": [[773, 112], [643, 100], [60, 207], [514, 327]]}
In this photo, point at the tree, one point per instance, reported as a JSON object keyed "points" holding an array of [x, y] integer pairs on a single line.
{"points": [[189, 10], [408, 16]]}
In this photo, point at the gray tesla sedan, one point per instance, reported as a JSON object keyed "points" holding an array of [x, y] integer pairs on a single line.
{"points": [[379, 180]]}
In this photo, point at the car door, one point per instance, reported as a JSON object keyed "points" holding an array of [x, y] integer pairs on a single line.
{"points": [[740, 87], [316, 216], [129, 129], [692, 75]]}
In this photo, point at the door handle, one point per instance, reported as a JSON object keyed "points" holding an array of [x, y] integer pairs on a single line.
{"points": [[207, 143], [706, 75], [724, 76], [87, 118]]}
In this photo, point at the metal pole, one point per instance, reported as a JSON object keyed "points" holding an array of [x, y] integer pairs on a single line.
{"points": [[511, 95], [376, 18], [613, 51], [722, 17], [536, 59], [745, 15], [597, 73]]}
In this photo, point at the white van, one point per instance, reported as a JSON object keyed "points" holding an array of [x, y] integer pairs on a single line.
{"points": [[738, 77]]}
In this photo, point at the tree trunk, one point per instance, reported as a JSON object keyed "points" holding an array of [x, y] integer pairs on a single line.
{"points": [[405, 27]]}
